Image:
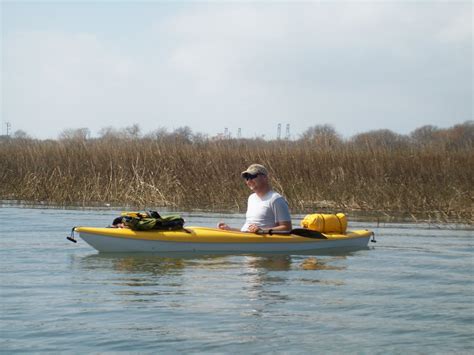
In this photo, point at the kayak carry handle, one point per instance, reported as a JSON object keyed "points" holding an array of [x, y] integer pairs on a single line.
{"points": [[373, 238], [71, 237]]}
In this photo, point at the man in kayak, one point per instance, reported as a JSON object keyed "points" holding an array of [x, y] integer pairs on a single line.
{"points": [[266, 209]]}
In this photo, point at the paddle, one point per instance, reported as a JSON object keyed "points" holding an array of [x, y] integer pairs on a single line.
{"points": [[302, 232]]}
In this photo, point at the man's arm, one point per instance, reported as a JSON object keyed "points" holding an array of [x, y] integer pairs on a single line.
{"points": [[283, 226], [282, 214], [224, 226]]}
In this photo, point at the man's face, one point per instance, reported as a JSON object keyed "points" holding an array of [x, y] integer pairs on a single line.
{"points": [[256, 182]]}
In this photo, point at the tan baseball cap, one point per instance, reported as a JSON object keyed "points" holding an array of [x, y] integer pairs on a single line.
{"points": [[255, 169]]}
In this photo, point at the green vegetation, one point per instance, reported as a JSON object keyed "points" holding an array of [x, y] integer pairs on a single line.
{"points": [[427, 174]]}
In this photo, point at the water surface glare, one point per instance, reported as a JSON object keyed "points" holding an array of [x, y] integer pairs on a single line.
{"points": [[412, 291]]}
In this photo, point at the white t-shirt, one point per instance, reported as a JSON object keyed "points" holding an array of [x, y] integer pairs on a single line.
{"points": [[266, 211]]}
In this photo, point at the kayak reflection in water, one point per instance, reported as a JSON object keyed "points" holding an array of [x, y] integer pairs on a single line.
{"points": [[266, 209]]}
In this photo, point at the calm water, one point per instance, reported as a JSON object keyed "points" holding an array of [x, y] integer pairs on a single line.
{"points": [[412, 291]]}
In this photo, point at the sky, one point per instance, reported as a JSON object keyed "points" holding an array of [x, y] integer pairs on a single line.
{"points": [[357, 66]]}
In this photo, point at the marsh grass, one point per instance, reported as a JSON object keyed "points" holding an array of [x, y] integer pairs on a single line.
{"points": [[429, 181]]}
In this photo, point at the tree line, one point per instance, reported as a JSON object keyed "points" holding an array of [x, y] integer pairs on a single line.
{"points": [[458, 136]]}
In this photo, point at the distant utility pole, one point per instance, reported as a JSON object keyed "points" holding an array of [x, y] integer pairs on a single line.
{"points": [[9, 125], [279, 131], [287, 135], [239, 133]]}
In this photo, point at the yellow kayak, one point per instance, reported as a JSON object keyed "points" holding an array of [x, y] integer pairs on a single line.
{"points": [[203, 239]]}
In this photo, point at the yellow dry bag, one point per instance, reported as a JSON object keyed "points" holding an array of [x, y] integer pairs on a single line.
{"points": [[325, 223]]}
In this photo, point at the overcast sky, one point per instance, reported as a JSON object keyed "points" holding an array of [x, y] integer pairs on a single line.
{"points": [[358, 66]]}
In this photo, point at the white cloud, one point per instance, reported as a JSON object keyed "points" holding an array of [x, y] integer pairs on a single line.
{"points": [[356, 65], [60, 80]]}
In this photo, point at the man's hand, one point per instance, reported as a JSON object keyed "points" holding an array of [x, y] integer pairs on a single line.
{"points": [[253, 228], [222, 225]]}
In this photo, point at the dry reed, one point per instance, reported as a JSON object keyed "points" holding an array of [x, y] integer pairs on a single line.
{"points": [[431, 180]]}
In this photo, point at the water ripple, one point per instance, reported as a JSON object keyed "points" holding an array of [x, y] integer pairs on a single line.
{"points": [[411, 292]]}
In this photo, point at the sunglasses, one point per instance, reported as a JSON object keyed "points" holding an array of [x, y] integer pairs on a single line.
{"points": [[250, 176]]}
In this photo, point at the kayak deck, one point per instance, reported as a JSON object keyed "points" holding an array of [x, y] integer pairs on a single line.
{"points": [[213, 240]]}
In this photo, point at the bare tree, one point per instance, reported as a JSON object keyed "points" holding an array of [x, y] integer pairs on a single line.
{"points": [[20, 134], [424, 135], [322, 135], [132, 131], [380, 138], [158, 134], [183, 134], [77, 134], [108, 132]]}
